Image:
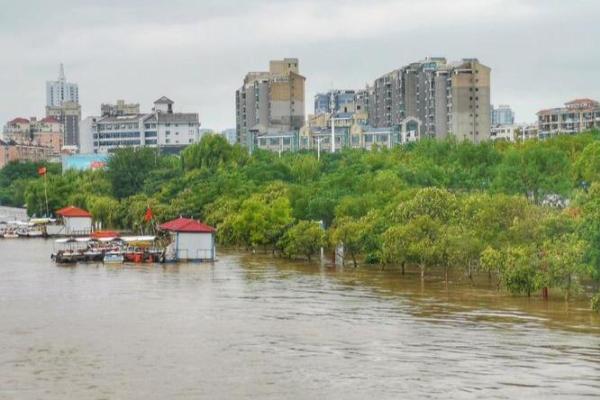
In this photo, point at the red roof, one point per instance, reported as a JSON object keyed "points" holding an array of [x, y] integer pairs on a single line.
{"points": [[186, 225], [50, 120], [73, 212], [19, 120]]}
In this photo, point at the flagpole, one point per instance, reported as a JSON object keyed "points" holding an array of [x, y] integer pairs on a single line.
{"points": [[46, 194]]}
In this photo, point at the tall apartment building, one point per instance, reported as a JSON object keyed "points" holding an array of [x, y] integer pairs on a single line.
{"points": [[439, 97], [270, 101], [503, 115], [69, 114], [60, 91], [575, 117], [163, 128], [62, 103]]}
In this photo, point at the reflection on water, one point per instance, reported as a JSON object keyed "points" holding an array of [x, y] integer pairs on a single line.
{"points": [[252, 327]]}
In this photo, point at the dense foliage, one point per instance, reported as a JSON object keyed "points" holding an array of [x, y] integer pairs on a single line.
{"points": [[527, 213]]}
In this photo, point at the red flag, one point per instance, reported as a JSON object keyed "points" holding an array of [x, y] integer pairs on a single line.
{"points": [[148, 217], [42, 171]]}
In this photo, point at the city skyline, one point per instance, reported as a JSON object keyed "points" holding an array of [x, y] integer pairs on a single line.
{"points": [[336, 50]]}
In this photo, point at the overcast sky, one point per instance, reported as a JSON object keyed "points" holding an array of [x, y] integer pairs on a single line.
{"points": [[542, 52]]}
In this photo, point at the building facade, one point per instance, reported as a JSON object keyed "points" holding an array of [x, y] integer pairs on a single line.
{"points": [[503, 115], [13, 151], [339, 101], [47, 132], [119, 108], [444, 98], [576, 116], [270, 101], [69, 115], [162, 128], [61, 91]]}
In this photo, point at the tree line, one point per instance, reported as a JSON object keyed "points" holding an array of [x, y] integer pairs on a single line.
{"points": [[527, 214]]}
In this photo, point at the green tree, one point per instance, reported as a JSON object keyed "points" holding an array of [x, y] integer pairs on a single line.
{"points": [[128, 169], [304, 238], [535, 171]]}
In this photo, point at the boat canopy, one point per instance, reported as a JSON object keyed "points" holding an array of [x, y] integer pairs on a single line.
{"points": [[136, 239]]}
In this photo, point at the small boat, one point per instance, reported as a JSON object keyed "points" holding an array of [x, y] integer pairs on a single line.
{"points": [[10, 235], [113, 258]]}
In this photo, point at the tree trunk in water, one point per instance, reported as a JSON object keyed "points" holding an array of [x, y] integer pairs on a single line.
{"points": [[354, 261], [422, 268], [446, 276], [545, 293], [403, 268]]}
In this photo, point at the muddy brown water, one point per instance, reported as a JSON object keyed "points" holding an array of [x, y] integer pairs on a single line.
{"points": [[254, 327]]}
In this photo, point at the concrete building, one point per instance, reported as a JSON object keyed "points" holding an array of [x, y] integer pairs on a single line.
{"points": [[576, 116], [190, 240], [119, 108], [86, 134], [337, 101], [509, 133], [163, 128], [47, 132], [503, 115], [270, 101], [13, 151], [69, 115], [438, 96], [61, 91]]}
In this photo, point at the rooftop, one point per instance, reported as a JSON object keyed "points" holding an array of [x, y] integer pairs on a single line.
{"points": [[164, 100], [186, 225], [73, 212]]}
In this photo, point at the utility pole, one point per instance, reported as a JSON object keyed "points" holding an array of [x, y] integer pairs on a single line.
{"points": [[332, 133], [319, 148]]}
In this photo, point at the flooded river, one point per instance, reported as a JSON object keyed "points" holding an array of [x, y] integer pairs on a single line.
{"points": [[251, 327]]}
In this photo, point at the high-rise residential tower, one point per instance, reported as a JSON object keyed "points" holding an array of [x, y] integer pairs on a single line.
{"points": [[438, 96], [270, 101], [62, 103], [60, 91]]}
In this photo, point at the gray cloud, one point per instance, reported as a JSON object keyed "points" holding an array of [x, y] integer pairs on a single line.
{"points": [[542, 52]]}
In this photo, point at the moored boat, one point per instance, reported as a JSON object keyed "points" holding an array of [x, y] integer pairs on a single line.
{"points": [[113, 258]]}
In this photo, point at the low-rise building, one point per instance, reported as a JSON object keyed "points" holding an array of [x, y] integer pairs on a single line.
{"points": [[190, 240], [576, 116], [163, 128], [73, 221], [507, 133], [13, 151]]}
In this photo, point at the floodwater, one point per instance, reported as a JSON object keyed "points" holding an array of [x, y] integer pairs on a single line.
{"points": [[253, 327]]}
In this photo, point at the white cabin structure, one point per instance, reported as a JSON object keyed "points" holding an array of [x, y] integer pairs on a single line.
{"points": [[73, 221], [191, 240]]}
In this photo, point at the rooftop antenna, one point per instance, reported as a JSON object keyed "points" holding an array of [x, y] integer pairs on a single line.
{"points": [[61, 73]]}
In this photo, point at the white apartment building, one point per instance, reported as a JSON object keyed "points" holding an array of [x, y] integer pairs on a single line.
{"points": [[161, 128], [60, 91]]}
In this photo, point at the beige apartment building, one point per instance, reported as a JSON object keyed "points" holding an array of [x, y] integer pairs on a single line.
{"points": [[270, 102], [47, 132], [437, 96], [12, 151], [576, 116]]}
